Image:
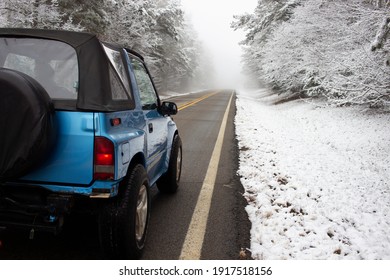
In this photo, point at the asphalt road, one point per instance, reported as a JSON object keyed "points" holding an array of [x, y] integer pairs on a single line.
{"points": [[227, 227]]}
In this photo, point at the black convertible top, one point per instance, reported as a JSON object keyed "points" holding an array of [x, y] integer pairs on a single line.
{"points": [[75, 39], [95, 93]]}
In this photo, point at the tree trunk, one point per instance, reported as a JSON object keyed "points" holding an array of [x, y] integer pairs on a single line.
{"points": [[35, 14]]}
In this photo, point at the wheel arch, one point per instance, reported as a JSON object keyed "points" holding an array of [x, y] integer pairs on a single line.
{"points": [[172, 133], [138, 158]]}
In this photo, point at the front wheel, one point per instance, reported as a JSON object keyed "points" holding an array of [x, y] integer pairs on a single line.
{"points": [[124, 222], [169, 182]]}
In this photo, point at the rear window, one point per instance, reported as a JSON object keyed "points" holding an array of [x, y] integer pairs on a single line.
{"points": [[120, 84], [52, 63]]}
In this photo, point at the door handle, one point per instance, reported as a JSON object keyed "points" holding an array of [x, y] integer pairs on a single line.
{"points": [[150, 126]]}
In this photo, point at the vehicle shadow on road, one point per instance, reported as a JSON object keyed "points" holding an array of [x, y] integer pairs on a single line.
{"points": [[78, 240]]}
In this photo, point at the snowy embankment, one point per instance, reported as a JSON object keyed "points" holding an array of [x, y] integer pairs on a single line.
{"points": [[317, 179]]}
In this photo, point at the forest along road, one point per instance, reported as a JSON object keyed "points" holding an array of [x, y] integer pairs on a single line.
{"points": [[205, 219]]}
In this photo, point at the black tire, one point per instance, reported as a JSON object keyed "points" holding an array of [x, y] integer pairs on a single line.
{"points": [[123, 223], [169, 182], [26, 124]]}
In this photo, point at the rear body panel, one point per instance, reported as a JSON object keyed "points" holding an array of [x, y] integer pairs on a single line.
{"points": [[128, 137], [71, 161]]}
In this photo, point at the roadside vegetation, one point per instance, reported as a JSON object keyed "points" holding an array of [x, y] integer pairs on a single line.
{"points": [[335, 49]]}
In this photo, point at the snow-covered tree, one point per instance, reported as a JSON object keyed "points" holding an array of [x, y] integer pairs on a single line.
{"points": [[380, 3], [267, 16], [381, 42], [176, 45], [87, 15], [130, 23], [156, 29], [323, 48], [260, 26], [30, 13]]}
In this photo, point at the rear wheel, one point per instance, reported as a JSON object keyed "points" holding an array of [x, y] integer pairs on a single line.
{"points": [[124, 222]]}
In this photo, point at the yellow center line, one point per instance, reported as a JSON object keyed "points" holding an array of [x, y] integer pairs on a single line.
{"points": [[193, 243], [193, 102]]}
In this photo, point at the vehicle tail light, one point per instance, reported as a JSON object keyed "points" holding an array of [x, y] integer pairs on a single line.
{"points": [[104, 159]]}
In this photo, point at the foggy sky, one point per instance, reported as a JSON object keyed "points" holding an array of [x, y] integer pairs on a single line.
{"points": [[211, 19]]}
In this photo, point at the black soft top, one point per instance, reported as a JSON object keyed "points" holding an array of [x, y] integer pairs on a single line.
{"points": [[94, 78]]}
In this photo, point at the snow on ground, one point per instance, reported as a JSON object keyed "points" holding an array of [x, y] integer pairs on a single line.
{"points": [[316, 178]]}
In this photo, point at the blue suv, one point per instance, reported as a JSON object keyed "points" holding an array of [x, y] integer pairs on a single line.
{"points": [[82, 128]]}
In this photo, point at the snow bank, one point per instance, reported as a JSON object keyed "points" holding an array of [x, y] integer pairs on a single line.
{"points": [[316, 178]]}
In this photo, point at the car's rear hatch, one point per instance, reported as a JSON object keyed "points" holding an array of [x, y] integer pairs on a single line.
{"points": [[71, 160]]}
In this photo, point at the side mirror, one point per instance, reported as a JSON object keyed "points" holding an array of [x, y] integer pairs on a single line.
{"points": [[169, 108]]}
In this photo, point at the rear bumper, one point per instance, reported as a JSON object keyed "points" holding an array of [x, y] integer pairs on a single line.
{"points": [[98, 189], [44, 207], [35, 209]]}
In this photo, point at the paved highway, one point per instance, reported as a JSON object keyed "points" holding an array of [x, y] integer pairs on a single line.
{"points": [[205, 219]]}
